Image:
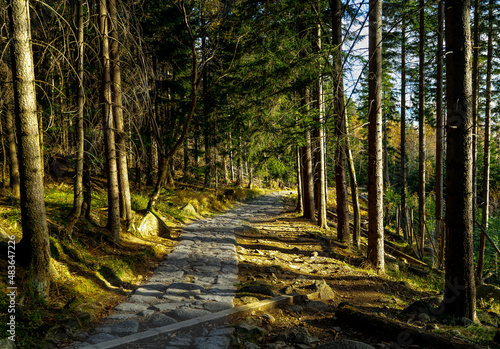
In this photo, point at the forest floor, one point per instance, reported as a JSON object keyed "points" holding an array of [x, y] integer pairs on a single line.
{"points": [[282, 255], [290, 254]]}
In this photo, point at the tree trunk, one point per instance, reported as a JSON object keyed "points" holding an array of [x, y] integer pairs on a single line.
{"points": [[340, 127], [375, 251], [11, 134], [421, 130], [186, 161], [121, 138], [319, 135], [356, 234], [4, 150], [107, 122], [387, 179], [403, 128], [80, 146], [439, 124], [487, 139], [300, 185], [34, 247], [460, 290], [475, 87]]}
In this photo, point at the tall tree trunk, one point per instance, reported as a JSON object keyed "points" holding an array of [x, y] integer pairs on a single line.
{"points": [[439, 124], [319, 132], [475, 87], [107, 122], [80, 146], [421, 130], [487, 139], [4, 152], [11, 132], [403, 127], [375, 252], [307, 179], [460, 289], [356, 234], [300, 185], [387, 179], [34, 247], [340, 127], [186, 160], [117, 98]]}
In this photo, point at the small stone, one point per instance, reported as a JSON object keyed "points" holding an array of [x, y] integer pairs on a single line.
{"points": [[121, 316], [225, 331], [317, 305], [132, 307], [322, 291], [216, 342], [248, 299], [455, 333], [100, 337], [167, 306], [294, 308], [143, 291], [464, 321], [184, 340], [384, 300], [137, 298], [269, 318], [217, 306], [129, 326], [146, 312], [423, 317], [250, 345], [187, 313], [287, 290], [249, 329], [173, 299], [432, 327], [159, 320]]}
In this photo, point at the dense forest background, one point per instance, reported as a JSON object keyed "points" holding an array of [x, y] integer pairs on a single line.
{"points": [[155, 94]]}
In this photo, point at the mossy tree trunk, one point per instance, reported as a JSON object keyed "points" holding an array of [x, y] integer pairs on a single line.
{"points": [[34, 246]]}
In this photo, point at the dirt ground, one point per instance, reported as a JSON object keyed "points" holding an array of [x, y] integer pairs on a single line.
{"points": [[286, 255]]}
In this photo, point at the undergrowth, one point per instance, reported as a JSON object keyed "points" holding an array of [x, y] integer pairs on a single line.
{"points": [[90, 274]]}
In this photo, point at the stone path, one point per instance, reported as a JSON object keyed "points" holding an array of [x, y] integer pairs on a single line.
{"points": [[197, 278]]}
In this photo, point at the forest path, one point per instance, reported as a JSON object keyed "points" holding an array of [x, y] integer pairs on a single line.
{"points": [[196, 279]]}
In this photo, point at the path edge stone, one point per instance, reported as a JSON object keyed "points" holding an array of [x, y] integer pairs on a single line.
{"points": [[229, 314]]}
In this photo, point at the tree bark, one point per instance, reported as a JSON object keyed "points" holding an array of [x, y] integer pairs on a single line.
{"points": [[117, 99], [80, 132], [319, 133], [460, 290], [375, 251], [343, 232], [34, 245], [403, 128], [421, 130], [11, 134], [439, 124], [107, 122], [356, 233], [475, 87], [300, 185], [487, 139]]}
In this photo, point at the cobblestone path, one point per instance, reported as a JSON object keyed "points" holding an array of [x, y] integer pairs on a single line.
{"points": [[197, 278]]}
